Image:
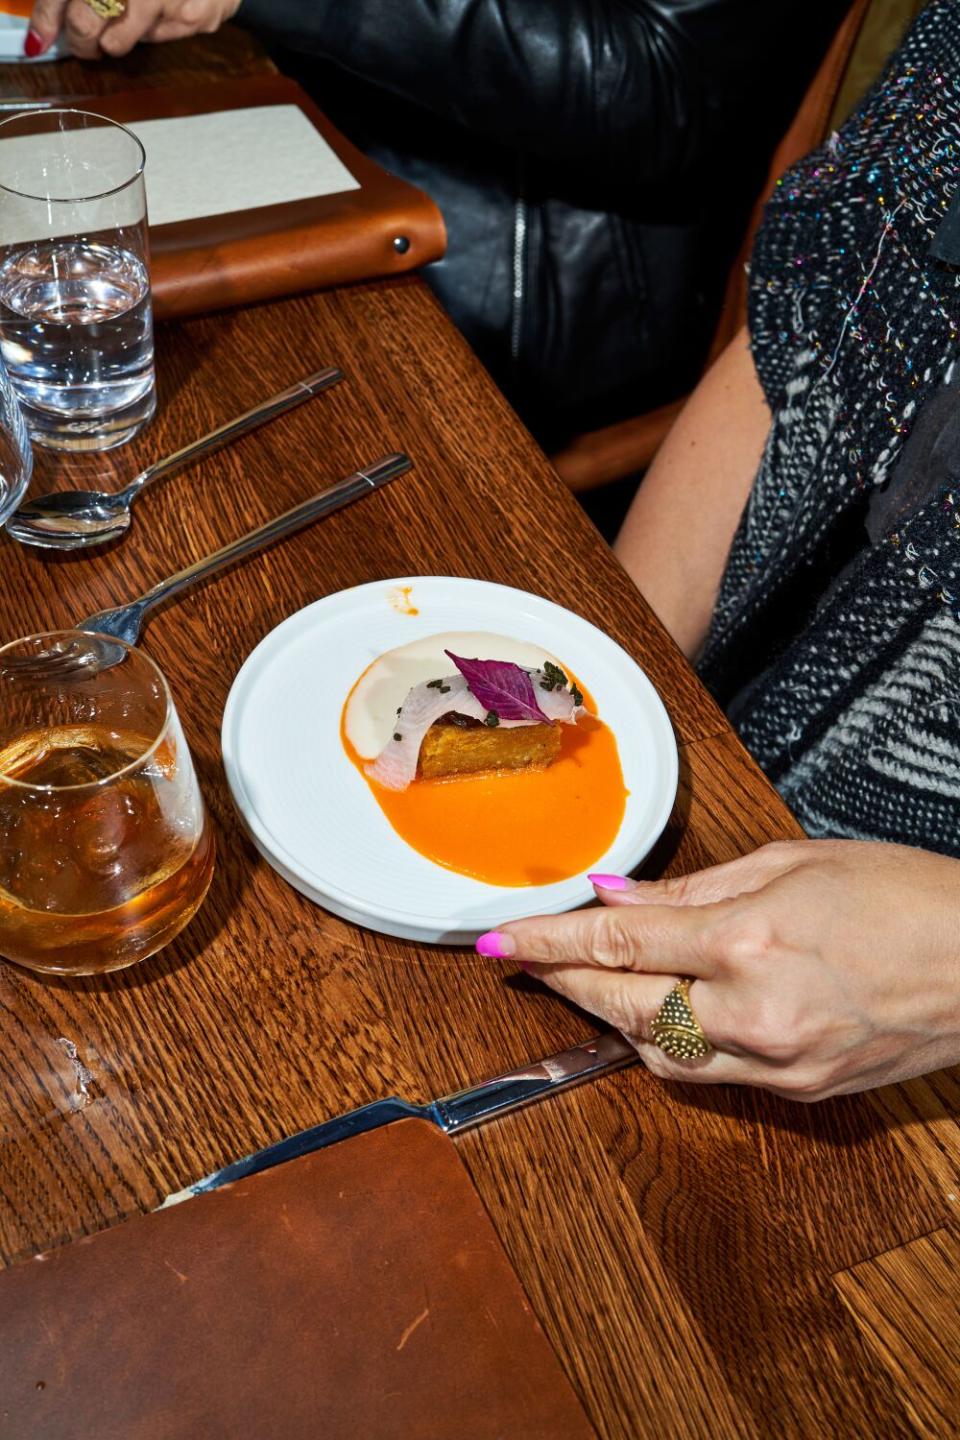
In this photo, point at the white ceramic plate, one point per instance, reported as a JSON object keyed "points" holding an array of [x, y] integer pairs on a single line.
{"points": [[311, 813]]}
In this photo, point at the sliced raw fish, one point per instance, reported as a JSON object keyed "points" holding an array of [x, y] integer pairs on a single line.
{"points": [[396, 765]]}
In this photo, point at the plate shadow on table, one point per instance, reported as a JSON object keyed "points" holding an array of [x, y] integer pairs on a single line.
{"points": [[664, 852]]}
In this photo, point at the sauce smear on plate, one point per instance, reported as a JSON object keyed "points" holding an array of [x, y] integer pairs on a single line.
{"points": [[517, 828]]}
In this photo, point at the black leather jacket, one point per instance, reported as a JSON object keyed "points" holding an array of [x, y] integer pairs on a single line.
{"points": [[595, 161]]}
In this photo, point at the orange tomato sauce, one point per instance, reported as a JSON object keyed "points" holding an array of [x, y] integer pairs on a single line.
{"points": [[516, 827]]}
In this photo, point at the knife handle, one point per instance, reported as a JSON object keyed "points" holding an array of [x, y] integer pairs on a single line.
{"points": [[597, 1056]]}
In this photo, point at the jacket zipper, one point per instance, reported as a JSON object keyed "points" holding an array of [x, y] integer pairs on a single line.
{"points": [[519, 263]]}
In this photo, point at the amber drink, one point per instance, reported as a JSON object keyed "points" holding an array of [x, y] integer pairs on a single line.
{"points": [[105, 848]]}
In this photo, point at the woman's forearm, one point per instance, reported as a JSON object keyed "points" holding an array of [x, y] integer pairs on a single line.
{"points": [[676, 537]]}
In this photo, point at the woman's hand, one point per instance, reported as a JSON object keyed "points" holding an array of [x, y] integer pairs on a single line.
{"points": [[90, 36], [820, 966]]}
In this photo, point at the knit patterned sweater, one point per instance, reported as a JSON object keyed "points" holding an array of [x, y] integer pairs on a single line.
{"points": [[853, 705]]}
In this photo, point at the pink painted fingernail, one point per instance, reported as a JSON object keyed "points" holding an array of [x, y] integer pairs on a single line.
{"points": [[496, 945], [611, 882], [34, 44]]}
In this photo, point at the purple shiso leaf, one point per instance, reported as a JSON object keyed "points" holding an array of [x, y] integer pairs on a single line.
{"points": [[500, 686]]}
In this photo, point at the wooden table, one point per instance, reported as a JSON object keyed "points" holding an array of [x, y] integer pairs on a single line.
{"points": [[705, 1261]]}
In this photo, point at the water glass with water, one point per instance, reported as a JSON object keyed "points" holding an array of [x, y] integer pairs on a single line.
{"points": [[76, 327], [16, 456]]}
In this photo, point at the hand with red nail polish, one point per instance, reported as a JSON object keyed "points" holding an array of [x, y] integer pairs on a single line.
{"points": [[818, 967], [35, 45], [46, 23], [91, 36]]}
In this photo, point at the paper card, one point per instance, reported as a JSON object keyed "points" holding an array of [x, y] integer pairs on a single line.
{"points": [[197, 165], [231, 160]]}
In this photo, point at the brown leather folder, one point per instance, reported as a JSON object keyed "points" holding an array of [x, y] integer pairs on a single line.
{"points": [[358, 1293], [385, 227]]}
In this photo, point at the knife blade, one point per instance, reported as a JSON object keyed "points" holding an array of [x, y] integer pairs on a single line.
{"points": [[463, 1110]]}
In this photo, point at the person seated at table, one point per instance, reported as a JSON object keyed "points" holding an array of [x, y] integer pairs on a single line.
{"points": [[595, 160], [799, 535]]}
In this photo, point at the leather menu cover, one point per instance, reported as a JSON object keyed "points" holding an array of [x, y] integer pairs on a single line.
{"points": [[382, 228], [357, 1292]]}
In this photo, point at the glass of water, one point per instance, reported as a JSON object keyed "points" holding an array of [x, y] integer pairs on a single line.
{"points": [[16, 456], [76, 327]]}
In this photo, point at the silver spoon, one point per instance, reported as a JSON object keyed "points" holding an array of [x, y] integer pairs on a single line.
{"points": [[75, 519]]}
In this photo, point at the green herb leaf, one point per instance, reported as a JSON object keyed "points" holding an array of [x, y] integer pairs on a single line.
{"points": [[493, 719]]}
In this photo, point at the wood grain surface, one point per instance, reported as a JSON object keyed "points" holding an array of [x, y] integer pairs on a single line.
{"points": [[703, 1260], [232, 54], [907, 1304]]}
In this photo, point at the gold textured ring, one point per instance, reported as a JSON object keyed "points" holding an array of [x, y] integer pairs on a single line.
{"points": [[108, 9], [676, 1030]]}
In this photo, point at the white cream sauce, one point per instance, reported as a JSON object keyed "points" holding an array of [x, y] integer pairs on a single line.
{"points": [[372, 710]]}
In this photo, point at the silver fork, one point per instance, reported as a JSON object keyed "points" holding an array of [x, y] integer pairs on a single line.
{"points": [[125, 622]]}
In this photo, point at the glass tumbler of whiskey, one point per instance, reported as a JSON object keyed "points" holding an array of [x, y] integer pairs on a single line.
{"points": [[106, 850]]}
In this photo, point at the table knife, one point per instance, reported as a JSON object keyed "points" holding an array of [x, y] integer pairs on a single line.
{"points": [[452, 1113]]}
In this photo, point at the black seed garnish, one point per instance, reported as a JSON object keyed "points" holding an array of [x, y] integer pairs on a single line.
{"points": [[555, 679]]}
